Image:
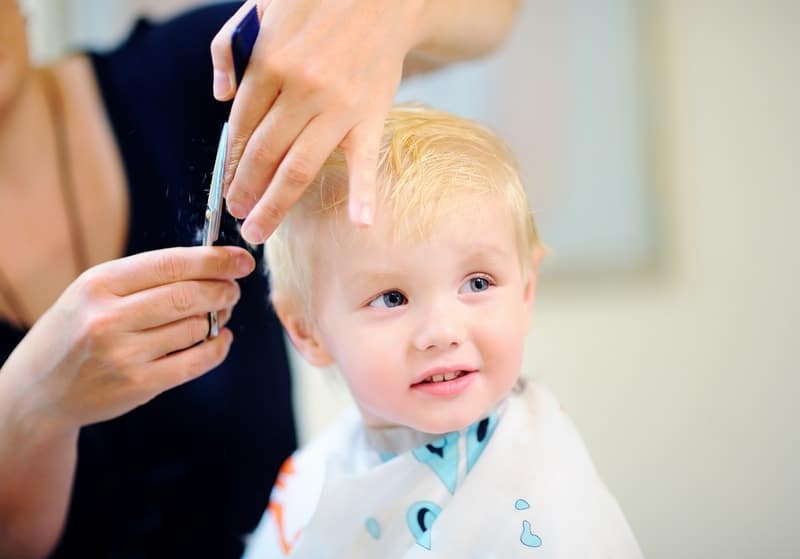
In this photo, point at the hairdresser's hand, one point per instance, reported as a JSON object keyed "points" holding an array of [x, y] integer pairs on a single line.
{"points": [[122, 333], [322, 74]]}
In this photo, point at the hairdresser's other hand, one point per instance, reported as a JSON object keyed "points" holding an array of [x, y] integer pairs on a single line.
{"points": [[322, 74], [122, 333]]}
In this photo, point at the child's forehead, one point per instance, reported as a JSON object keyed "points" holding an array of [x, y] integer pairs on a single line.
{"points": [[396, 228]]}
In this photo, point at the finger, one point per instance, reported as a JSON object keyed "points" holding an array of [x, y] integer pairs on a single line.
{"points": [[164, 304], [254, 99], [176, 336], [221, 57], [300, 166], [361, 147], [223, 316], [265, 149], [182, 366], [161, 267]]}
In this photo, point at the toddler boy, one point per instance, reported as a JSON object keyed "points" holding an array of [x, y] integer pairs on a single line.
{"points": [[449, 453]]}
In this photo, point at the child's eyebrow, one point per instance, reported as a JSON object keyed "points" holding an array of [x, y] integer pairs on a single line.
{"points": [[372, 277], [487, 253], [475, 257]]}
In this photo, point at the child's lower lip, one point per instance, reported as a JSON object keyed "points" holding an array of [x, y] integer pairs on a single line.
{"points": [[447, 387]]}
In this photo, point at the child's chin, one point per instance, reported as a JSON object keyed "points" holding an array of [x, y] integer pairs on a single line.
{"points": [[444, 425]]}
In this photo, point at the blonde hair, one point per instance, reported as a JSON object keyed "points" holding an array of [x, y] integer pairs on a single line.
{"points": [[428, 159]]}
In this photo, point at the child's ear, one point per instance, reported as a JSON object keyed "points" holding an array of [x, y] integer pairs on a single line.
{"points": [[530, 287], [304, 335]]}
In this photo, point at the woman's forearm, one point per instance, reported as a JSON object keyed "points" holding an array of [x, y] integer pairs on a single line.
{"points": [[452, 30], [37, 466]]}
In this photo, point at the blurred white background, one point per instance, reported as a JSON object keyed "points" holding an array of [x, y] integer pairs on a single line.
{"points": [[673, 343]]}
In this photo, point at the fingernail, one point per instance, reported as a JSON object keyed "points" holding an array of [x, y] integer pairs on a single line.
{"points": [[366, 214], [222, 84], [252, 233], [245, 263], [360, 214], [236, 209]]}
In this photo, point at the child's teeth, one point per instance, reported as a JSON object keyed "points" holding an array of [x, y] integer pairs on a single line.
{"points": [[444, 376]]}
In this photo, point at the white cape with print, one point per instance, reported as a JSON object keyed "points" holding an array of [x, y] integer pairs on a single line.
{"points": [[516, 484]]}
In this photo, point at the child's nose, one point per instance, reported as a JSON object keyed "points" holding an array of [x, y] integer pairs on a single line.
{"points": [[440, 328]]}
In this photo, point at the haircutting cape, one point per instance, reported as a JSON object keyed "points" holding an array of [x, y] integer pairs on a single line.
{"points": [[518, 483]]}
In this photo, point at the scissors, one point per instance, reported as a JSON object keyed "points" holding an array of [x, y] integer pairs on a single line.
{"points": [[242, 40]]}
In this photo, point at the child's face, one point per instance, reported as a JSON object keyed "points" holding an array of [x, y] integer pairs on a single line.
{"points": [[397, 315]]}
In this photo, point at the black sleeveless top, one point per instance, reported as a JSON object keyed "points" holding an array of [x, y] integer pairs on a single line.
{"points": [[189, 473]]}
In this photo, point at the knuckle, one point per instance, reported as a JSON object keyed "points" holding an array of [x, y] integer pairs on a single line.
{"points": [[273, 212], [119, 358], [228, 293], [265, 153], [342, 97], [228, 173], [236, 143], [219, 292], [137, 384], [367, 157], [196, 329], [94, 330], [181, 297], [224, 264], [274, 63], [91, 283], [312, 78], [299, 172], [207, 356], [170, 268], [100, 325], [199, 362]]}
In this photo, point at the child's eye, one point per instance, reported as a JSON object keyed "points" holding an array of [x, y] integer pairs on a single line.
{"points": [[476, 285], [389, 300]]}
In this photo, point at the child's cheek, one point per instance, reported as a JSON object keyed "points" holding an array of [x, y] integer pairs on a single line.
{"points": [[503, 345], [366, 369]]}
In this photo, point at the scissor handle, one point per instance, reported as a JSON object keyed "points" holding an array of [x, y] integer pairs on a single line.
{"points": [[243, 39]]}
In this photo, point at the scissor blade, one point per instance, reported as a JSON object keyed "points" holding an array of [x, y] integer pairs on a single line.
{"points": [[214, 206]]}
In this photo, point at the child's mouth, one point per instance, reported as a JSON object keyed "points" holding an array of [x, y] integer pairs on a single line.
{"points": [[444, 377], [446, 383]]}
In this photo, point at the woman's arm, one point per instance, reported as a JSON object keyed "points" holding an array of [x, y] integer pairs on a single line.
{"points": [[324, 74], [454, 30], [122, 333], [37, 465]]}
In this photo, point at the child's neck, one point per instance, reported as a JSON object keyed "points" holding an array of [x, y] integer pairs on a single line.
{"points": [[397, 439]]}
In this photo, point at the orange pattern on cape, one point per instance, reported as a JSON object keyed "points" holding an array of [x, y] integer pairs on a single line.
{"points": [[276, 509]]}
